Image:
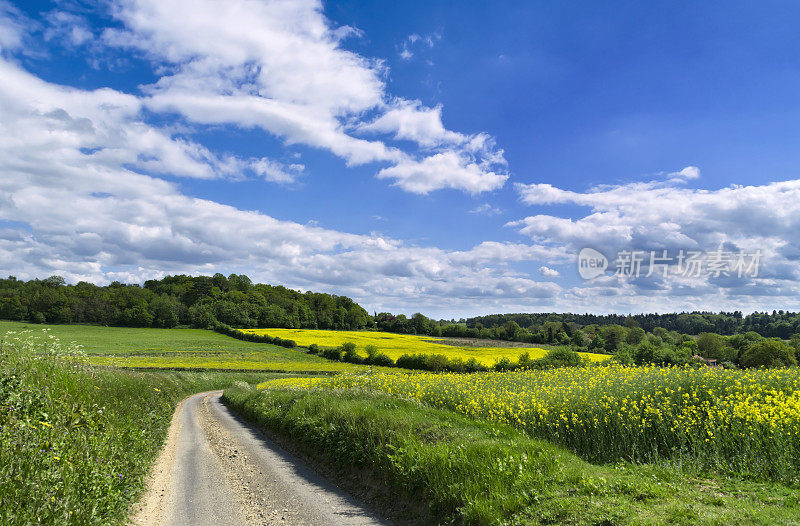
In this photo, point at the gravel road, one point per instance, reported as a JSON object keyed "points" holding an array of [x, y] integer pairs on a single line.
{"points": [[216, 469]]}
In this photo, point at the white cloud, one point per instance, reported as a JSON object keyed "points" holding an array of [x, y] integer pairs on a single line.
{"points": [[410, 120], [417, 41], [277, 172], [443, 170], [69, 28], [12, 26], [486, 209], [549, 272], [280, 66], [102, 125], [659, 215], [690, 172]]}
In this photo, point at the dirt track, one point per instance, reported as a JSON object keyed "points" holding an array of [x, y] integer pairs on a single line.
{"points": [[217, 470]]}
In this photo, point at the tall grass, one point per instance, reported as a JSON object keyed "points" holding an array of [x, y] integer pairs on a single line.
{"points": [[76, 442]]}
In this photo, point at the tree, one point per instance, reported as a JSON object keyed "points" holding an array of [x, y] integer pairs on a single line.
{"points": [[512, 330], [12, 309], [710, 345], [613, 336], [356, 317], [768, 353], [635, 336], [54, 281], [579, 339], [137, 316], [644, 353], [598, 344], [741, 342], [165, 311], [688, 348], [349, 353], [201, 316]]}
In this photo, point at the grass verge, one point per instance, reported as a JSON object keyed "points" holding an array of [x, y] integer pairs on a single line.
{"points": [[424, 465], [77, 442]]}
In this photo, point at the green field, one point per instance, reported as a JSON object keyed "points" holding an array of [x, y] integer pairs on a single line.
{"points": [[192, 349]]}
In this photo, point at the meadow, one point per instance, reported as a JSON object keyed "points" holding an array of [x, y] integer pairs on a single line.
{"points": [[189, 349], [396, 345], [737, 422]]}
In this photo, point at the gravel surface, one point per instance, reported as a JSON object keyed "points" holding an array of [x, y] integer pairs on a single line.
{"points": [[216, 469]]}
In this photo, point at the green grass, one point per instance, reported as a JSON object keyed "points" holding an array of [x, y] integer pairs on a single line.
{"points": [[125, 340], [75, 441], [192, 349], [428, 466]]}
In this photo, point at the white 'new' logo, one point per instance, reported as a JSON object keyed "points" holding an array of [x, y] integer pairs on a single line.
{"points": [[591, 263]]}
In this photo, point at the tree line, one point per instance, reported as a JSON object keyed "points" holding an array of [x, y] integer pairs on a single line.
{"points": [[778, 324], [197, 301], [727, 339]]}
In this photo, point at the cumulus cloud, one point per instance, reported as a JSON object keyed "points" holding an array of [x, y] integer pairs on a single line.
{"points": [[665, 215], [690, 172], [412, 121], [280, 66], [549, 272], [443, 170]]}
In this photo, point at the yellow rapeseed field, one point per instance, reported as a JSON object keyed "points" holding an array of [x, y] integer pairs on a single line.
{"points": [[396, 345], [746, 422]]}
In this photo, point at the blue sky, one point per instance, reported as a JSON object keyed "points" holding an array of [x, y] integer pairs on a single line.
{"points": [[448, 158]]}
